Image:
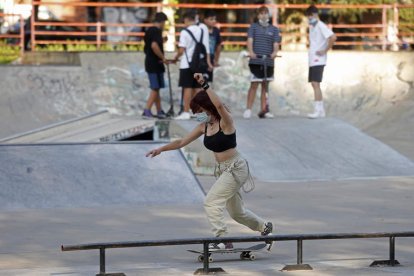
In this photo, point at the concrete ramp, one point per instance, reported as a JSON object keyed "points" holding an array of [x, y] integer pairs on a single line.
{"points": [[85, 175], [299, 149]]}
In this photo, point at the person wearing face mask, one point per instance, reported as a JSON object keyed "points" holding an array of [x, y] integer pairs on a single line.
{"points": [[321, 39], [263, 40], [231, 170]]}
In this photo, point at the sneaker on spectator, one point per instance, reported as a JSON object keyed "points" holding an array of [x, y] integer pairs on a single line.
{"points": [[161, 114], [269, 115], [147, 114], [183, 116], [317, 114], [247, 114]]}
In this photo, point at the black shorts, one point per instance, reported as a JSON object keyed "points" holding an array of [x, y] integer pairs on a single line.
{"points": [[186, 79], [258, 73], [315, 73]]}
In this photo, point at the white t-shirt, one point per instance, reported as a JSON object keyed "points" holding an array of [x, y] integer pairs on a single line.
{"points": [[187, 42], [318, 40]]}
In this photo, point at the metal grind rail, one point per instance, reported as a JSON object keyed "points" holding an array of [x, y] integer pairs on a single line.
{"points": [[206, 241]]}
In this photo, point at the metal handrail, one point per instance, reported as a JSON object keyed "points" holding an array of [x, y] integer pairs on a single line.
{"points": [[99, 26], [272, 238]]}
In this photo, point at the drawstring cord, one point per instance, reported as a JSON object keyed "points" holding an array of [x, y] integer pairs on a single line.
{"points": [[248, 186]]}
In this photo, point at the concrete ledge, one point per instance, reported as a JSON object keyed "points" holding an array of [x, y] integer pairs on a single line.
{"points": [[51, 58]]}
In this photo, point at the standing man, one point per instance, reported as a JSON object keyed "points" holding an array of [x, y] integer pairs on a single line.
{"points": [[263, 39], [321, 39], [154, 64], [186, 47], [214, 38]]}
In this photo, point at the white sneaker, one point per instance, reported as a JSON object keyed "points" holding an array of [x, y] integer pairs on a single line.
{"points": [[269, 115], [183, 116], [247, 114], [317, 114]]}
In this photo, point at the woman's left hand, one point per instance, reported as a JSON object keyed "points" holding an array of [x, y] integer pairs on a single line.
{"points": [[153, 153]]}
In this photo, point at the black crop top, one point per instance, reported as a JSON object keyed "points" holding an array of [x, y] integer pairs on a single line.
{"points": [[219, 141]]}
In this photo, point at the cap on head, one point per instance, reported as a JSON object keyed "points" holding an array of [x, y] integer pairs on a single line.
{"points": [[160, 17]]}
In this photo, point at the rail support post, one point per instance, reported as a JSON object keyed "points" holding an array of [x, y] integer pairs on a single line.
{"points": [[392, 261], [299, 265], [102, 265], [206, 259]]}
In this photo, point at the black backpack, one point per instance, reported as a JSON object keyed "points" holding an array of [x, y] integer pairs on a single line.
{"points": [[198, 62]]}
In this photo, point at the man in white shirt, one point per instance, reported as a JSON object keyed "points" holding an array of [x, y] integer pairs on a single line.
{"points": [[186, 49], [321, 39]]}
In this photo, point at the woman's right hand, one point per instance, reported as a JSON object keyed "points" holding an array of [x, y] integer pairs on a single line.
{"points": [[199, 78], [153, 153]]}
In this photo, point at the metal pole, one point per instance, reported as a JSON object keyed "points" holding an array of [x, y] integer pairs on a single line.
{"points": [[33, 18], [384, 28], [22, 35], [205, 258], [275, 15], [392, 251], [102, 261], [98, 36], [300, 252]]}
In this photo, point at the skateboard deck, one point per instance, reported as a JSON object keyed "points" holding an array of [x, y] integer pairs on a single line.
{"points": [[246, 253]]}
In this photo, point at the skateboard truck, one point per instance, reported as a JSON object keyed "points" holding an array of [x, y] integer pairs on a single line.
{"points": [[206, 258]]}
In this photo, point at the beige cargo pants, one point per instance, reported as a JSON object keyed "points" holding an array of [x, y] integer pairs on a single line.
{"points": [[225, 193]]}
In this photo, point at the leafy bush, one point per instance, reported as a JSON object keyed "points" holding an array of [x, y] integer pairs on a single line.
{"points": [[8, 53], [89, 48]]}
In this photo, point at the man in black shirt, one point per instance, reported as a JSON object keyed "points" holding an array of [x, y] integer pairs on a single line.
{"points": [[154, 64]]}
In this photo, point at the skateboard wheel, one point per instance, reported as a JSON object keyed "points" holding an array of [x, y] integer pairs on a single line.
{"points": [[252, 257], [201, 259]]}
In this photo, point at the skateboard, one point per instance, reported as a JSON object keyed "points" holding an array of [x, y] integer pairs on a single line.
{"points": [[245, 253]]}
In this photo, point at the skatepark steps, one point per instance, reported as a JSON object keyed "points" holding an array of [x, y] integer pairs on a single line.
{"points": [[96, 127], [271, 238], [53, 129]]}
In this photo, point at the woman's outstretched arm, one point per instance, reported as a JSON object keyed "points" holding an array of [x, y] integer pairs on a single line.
{"points": [[177, 144]]}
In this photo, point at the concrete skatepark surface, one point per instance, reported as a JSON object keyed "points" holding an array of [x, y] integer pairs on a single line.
{"points": [[88, 175], [369, 130], [304, 150], [31, 239]]}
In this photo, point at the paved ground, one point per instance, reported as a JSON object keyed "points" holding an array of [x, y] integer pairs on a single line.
{"points": [[31, 239]]}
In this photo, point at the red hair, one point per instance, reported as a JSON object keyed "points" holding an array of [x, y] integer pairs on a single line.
{"points": [[202, 101]]}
